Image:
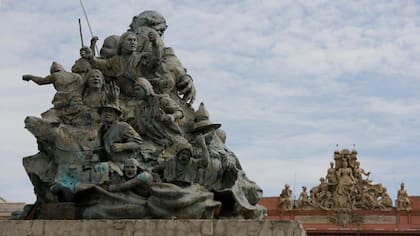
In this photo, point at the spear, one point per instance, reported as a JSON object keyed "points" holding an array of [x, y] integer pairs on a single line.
{"points": [[87, 21], [81, 35]]}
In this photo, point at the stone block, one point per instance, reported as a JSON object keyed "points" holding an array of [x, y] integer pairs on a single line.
{"points": [[150, 228]]}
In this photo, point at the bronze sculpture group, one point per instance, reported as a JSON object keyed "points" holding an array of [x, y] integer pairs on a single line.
{"points": [[123, 141]]}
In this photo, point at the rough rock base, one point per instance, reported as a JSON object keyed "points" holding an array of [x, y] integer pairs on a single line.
{"points": [[150, 227]]}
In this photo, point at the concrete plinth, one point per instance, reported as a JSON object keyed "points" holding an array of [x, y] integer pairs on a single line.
{"points": [[150, 227]]}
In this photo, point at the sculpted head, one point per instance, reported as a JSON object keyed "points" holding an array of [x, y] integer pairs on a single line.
{"points": [[130, 167], [184, 156], [95, 79], [152, 19], [184, 153], [81, 67], [143, 88], [143, 42], [110, 113], [127, 43], [345, 164], [56, 67]]}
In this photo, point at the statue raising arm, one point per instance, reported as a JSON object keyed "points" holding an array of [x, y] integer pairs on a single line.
{"points": [[49, 79], [133, 177], [200, 140], [61, 79]]}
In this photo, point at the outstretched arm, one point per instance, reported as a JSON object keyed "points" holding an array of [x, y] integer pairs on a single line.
{"points": [[93, 41], [109, 67], [172, 110], [155, 47], [132, 140], [365, 173], [39, 80], [144, 178]]}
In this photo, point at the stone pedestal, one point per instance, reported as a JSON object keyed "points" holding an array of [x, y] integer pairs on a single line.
{"points": [[150, 227], [6, 209]]}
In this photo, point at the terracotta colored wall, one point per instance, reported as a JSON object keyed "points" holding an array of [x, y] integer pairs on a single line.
{"points": [[316, 222], [415, 202]]}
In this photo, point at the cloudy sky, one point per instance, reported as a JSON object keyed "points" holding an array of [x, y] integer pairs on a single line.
{"points": [[288, 80]]}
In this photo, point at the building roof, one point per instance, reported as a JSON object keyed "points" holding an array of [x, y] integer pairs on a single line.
{"points": [[2, 200]]}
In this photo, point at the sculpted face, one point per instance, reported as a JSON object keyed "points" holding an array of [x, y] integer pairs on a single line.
{"points": [[139, 91], [130, 43], [95, 80], [184, 157], [345, 164], [130, 169], [108, 115]]}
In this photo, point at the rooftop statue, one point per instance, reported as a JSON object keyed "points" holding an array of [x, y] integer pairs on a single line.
{"points": [[303, 200], [122, 139], [403, 203], [286, 198], [346, 187]]}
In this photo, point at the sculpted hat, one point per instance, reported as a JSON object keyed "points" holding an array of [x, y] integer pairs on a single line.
{"points": [[55, 66], [183, 145], [144, 83], [203, 124], [112, 106]]}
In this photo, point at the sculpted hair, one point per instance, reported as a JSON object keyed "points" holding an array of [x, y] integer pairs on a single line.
{"points": [[122, 39]]}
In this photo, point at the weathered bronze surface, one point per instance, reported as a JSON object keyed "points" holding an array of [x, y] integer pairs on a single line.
{"points": [[123, 141]]}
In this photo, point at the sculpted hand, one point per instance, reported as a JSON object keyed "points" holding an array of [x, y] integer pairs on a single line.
{"points": [[208, 137], [113, 188], [152, 37], [93, 43], [117, 147], [86, 53], [112, 91], [229, 164], [94, 40], [168, 119], [186, 88], [27, 77]]}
